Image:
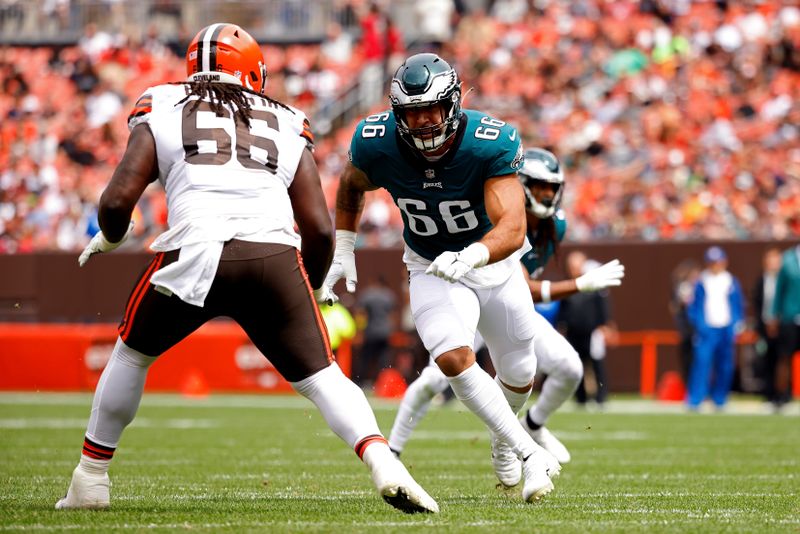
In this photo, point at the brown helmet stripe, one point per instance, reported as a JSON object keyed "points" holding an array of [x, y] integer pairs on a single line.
{"points": [[212, 46], [200, 37], [207, 47]]}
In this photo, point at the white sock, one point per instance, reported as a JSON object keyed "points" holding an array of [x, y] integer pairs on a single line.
{"points": [[476, 389], [118, 394], [515, 400], [94, 466], [415, 404], [377, 454], [557, 388], [343, 406]]}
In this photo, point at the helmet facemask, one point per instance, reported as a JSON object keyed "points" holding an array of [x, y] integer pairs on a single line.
{"points": [[432, 137]]}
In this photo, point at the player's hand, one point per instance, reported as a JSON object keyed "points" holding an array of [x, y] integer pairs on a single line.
{"points": [[343, 265], [607, 275], [452, 266], [324, 295], [99, 243]]}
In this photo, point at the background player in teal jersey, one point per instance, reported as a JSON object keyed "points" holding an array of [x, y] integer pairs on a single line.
{"points": [[453, 174], [543, 180]]}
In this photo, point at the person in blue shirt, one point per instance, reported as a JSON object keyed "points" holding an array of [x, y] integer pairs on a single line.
{"points": [[452, 172], [716, 313], [546, 224]]}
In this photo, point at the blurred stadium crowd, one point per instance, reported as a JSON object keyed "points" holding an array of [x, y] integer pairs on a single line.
{"points": [[674, 119]]}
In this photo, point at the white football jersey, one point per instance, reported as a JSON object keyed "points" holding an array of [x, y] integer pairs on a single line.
{"points": [[222, 178]]}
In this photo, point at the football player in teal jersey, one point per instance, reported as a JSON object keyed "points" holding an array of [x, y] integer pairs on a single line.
{"points": [[453, 174], [543, 182]]}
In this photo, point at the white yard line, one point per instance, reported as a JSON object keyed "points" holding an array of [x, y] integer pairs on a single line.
{"points": [[290, 402], [141, 422]]}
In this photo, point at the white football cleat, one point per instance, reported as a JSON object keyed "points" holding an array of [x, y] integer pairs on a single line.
{"points": [[87, 491], [549, 442], [398, 488], [507, 466], [538, 470]]}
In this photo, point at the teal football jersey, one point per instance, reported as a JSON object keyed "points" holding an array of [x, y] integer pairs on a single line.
{"points": [[536, 259], [441, 202]]}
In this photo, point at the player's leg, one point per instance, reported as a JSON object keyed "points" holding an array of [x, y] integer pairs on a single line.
{"points": [[282, 320], [416, 401], [560, 362], [446, 316], [153, 322], [507, 326], [581, 345], [601, 379]]}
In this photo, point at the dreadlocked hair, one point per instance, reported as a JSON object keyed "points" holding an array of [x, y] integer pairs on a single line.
{"points": [[219, 94], [546, 234]]}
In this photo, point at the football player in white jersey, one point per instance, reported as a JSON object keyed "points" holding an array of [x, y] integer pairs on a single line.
{"points": [[238, 171]]}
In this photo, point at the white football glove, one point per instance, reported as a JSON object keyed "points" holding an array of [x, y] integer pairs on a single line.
{"points": [[99, 243], [451, 266], [607, 275], [324, 295], [343, 265]]}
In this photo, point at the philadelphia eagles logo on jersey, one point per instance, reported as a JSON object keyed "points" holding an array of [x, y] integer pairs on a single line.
{"points": [[519, 159]]}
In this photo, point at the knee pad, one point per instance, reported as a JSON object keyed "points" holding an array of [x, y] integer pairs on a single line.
{"points": [[571, 368], [517, 368]]}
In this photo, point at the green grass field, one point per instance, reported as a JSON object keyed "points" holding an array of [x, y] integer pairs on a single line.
{"points": [[269, 464]]}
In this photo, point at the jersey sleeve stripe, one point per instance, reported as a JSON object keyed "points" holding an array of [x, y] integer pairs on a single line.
{"points": [[307, 133], [140, 110], [143, 106]]}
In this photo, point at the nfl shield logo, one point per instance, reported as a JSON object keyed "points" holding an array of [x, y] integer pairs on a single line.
{"points": [[429, 173]]}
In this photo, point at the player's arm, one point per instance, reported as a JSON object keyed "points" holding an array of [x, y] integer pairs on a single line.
{"points": [[313, 221], [557, 290], [607, 275], [503, 196], [353, 183], [137, 169]]}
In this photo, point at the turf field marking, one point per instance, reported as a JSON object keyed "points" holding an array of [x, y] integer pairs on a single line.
{"points": [[439, 435], [692, 476], [143, 422], [296, 402], [411, 522]]}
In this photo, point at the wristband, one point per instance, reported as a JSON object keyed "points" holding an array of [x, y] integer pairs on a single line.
{"points": [[345, 240], [477, 254], [545, 291]]}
